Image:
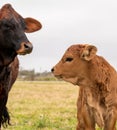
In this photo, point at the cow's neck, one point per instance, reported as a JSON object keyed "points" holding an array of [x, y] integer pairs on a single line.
{"points": [[4, 82], [6, 57], [4, 70]]}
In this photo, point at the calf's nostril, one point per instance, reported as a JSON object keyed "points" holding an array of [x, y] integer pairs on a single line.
{"points": [[52, 70]]}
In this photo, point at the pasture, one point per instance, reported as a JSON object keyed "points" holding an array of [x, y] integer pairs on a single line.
{"points": [[43, 105]]}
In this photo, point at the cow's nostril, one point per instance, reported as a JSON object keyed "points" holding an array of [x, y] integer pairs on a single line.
{"points": [[25, 48], [52, 70], [28, 46]]}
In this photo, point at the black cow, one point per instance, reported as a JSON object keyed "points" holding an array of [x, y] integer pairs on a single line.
{"points": [[13, 41]]}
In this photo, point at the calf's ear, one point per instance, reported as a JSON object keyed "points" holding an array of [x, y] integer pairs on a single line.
{"points": [[89, 52], [32, 25]]}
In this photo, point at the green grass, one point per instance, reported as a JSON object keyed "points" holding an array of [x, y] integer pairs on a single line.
{"points": [[43, 106]]}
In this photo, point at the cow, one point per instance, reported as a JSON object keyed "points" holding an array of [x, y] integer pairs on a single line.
{"points": [[97, 81], [13, 42]]}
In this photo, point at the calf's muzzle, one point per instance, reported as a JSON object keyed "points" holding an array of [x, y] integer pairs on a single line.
{"points": [[52, 70]]}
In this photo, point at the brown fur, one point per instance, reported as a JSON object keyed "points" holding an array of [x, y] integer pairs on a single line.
{"points": [[13, 41], [97, 100]]}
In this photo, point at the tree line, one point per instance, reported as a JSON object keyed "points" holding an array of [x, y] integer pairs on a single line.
{"points": [[31, 75]]}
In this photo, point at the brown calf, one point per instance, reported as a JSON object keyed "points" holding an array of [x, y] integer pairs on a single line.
{"points": [[97, 79]]}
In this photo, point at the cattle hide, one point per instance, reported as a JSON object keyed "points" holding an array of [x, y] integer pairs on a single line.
{"points": [[97, 81], [13, 41]]}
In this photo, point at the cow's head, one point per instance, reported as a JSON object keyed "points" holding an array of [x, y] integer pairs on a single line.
{"points": [[74, 66], [13, 40]]}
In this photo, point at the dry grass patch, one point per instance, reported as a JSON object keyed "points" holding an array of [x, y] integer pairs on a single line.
{"points": [[42, 106]]}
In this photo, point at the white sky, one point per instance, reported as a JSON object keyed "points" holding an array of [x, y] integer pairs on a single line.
{"points": [[67, 22]]}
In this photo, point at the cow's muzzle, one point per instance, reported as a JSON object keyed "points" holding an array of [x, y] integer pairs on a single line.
{"points": [[25, 48]]}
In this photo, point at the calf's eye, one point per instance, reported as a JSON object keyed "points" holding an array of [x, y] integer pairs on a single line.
{"points": [[69, 59]]}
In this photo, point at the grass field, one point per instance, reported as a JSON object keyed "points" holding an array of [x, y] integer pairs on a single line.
{"points": [[42, 106]]}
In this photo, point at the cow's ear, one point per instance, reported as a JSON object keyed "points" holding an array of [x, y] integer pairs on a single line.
{"points": [[89, 52], [32, 25]]}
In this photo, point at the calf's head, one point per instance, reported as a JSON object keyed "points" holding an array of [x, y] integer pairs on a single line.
{"points": [[73, 67], [13, 40]]}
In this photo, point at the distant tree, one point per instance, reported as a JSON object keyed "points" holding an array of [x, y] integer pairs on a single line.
{"points": [[32, 75]]}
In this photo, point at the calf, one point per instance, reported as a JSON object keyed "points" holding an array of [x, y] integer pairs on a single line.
{"points": [[97, 79], [13, 41]]}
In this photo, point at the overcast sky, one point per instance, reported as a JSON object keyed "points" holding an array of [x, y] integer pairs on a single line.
{"points": [[67, 22]]}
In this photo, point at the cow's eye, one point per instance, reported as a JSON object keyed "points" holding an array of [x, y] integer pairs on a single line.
{"points": [[9, 27], [69, 59]]}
